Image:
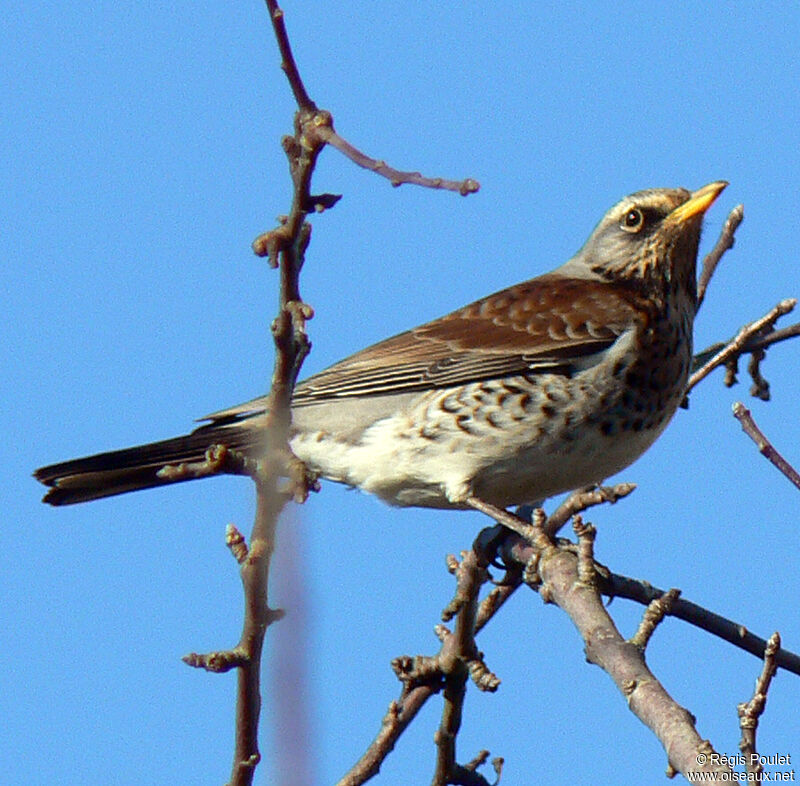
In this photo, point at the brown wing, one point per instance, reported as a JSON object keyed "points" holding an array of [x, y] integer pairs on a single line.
{"points": [[545, 324]]}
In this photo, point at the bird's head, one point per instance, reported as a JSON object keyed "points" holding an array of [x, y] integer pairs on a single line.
{"points": [[650, 237]]}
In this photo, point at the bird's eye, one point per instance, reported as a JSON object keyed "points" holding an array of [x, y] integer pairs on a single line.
{"points": [[633, 220]]}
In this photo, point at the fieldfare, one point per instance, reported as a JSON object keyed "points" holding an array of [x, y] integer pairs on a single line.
{"points": [[549, 385]]}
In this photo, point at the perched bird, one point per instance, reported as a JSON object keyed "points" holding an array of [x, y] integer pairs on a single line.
{"points": [[549, 385]]}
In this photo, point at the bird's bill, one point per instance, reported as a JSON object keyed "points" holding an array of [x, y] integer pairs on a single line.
{"points": [[698, 202]]}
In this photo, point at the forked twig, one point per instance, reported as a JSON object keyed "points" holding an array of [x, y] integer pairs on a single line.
{"points": [[751, 711], [737, 345], [616, 585], [285, 247], [326, 134]]}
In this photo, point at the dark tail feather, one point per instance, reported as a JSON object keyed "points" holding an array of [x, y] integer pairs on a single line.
{"points": [[120, 471]]}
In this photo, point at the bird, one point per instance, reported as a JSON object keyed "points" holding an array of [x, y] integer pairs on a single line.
{"points": [[549, 385]]}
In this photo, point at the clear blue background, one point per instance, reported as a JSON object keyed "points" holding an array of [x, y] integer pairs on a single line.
{"points": [[140, 156]]}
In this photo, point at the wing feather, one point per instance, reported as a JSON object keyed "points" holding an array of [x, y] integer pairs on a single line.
{"points": [[546, 324]]}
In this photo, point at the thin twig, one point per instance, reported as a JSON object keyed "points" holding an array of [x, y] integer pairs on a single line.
{"points": [[735, 346], [458, 660], [258, 616], [288, 63], [561, 583], [761, 342], [326, 134], [765, 447], [750, 711], [619, 586], [286, 248], [394, 723], [423, 676], [752, 344], [723, 244], [653, 616], [395, 176], [516, 524], [585, 498]]}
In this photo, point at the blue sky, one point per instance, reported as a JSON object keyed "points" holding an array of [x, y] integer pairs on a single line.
{"points": [[140, 157]]}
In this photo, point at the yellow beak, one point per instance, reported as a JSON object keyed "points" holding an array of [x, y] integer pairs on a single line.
{"points": [[698, 202]]}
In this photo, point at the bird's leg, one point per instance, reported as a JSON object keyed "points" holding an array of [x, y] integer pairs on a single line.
{"points": [[523, 528]]}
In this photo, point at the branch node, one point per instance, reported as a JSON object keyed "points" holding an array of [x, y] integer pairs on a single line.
{"points": [[442, 632], [751, 337], [586, 533], [484, 679], [655, 612], [750, 711], [421, 669], [236, 542], [584, 498], [628, 687], [218, 662], [452, 563]]}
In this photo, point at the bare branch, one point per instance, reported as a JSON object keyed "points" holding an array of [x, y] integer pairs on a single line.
{"points": [[674, 727], [765, 447], [750, 711], [286, 248], [654, 614], [258, 617], [288, 63], [570, 580], [235, 541], [736, 346], [723, 244], [447, 672], [516, 524], [455, 660], [585, 498], [292, 346], [395, 176], [619, 586], [517, 553], [491, 604], [394, 723]]}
